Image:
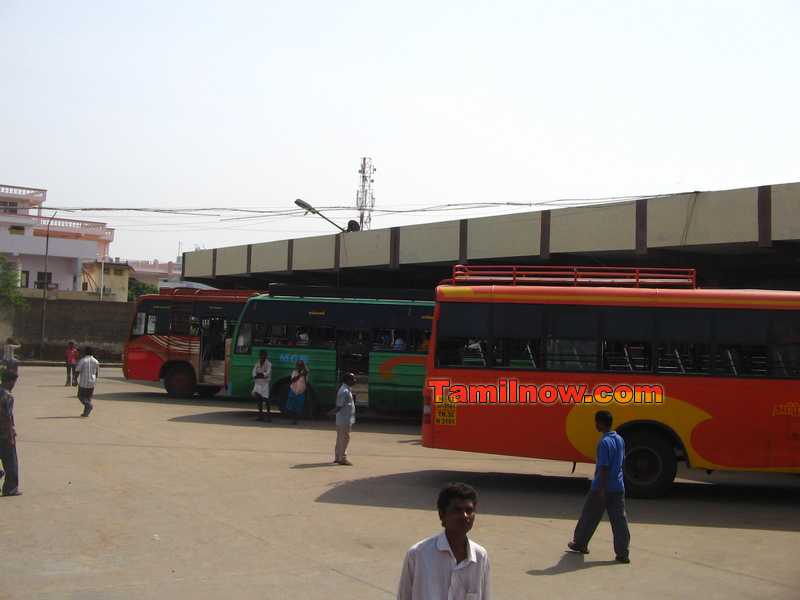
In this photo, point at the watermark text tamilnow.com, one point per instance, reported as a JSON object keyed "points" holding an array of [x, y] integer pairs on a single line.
{"points": [[511, 391]]}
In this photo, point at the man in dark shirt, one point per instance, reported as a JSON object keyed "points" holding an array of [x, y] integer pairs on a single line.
{"points": [[607, 493], [8, 435]]}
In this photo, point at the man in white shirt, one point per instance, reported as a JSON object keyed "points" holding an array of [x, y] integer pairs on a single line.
{"points": [[87, 369], [448, 566], [345, 411]]}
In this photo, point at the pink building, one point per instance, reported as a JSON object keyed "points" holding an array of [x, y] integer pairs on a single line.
{"points": [[24, 233]]}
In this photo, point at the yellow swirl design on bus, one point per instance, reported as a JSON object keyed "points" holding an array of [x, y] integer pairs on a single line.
{"points": [[676, 414]]}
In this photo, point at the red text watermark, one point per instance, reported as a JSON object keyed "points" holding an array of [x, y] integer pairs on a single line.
{"points": [[511, 391]]}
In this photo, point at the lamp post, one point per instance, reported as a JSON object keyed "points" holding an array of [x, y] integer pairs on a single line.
{"points": [[45, 283], [310, 209]]}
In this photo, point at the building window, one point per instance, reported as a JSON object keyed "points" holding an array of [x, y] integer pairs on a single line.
{"points": [[41, 277], [24, 279], [7, 206], [16, 230], [119, 272]]}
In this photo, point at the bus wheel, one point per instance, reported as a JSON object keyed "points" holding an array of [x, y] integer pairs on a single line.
{"points": [[180, 382], [208, 391], [650, 465]]}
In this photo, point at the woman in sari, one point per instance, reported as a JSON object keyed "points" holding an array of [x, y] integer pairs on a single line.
{"points": [[297, 391]]}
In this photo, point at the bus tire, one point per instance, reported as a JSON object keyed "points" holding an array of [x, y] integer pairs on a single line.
{"points": [[208, 391], [650, 465], [180, 382]]}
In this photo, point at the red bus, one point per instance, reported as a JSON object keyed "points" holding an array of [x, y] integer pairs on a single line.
{"points": [[179, 337], [521, 358]]}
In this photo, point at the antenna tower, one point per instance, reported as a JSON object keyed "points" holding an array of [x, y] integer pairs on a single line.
{"points": [[365, 197]]}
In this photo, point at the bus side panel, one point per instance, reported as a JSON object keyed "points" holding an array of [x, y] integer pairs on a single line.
{"points": [[144, 357], [320, 362], [395, 381], [529, 430], [723, 423]]}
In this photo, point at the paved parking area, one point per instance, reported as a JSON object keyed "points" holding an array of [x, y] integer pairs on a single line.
{"points": [[155, 498]]}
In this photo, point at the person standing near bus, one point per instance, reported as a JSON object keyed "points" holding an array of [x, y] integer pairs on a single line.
{"points": [[262, 371], [71, 356], [8, 436], [345, 412], [449, 564], [606, 494], [297, 391], [88, 369]]}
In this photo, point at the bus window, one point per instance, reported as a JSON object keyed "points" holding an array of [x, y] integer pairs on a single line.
{"points": [[785, 361], [572, 339], [570, 355], [518, 353], [683, 358], [627, 356], [318, 337], [181, 319], [245, 339], [627, 335], [139, 323], [742, 361], [461, 352]]}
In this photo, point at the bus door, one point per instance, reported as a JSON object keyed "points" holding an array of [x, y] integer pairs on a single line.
{"points": [[352, 354], [213, 330]]}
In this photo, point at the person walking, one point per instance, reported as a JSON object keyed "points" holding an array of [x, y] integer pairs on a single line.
{"points": [[88, 370], [345, 411], [8, 436], [297, 391], [71, 355], [262, 371], [448, 564], [607, 493], [9, 360]]}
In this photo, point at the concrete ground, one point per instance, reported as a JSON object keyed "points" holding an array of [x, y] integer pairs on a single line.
{"points": [[155, 498]]}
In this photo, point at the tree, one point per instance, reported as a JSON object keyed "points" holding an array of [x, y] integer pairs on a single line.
{"points": [[10, 298], [137, 288]]}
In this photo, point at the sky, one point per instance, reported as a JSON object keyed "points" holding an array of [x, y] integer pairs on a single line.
{"points": [[251, 104]]}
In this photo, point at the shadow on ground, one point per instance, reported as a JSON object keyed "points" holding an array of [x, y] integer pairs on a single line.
{"points": [[572, 562], [247, 418], [160, 397], [554, 497]]}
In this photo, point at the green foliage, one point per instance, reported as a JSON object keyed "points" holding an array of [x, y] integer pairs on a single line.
{"points": [[137, 288], [10, 297]]}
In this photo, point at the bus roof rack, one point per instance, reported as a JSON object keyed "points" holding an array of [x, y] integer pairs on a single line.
{"points": [[650, 277], [188, 291]]}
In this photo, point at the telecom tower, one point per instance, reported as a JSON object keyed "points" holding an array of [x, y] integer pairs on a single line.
{"points": [[365, 197]]}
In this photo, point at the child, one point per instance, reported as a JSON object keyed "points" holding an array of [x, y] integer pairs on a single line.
{"points": [[297, 391], [261, 375], [71, 356], [88, 369]]}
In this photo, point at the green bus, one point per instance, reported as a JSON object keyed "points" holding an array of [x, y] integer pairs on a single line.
{"points": [[383, 342]]}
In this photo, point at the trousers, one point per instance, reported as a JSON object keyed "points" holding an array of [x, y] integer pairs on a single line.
{"points": [[85, 396], [342, 441], [593, 509], [8, 457]]}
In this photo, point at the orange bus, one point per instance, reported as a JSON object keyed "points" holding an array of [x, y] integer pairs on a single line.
{"points": [[521, 358], [179, 336]]}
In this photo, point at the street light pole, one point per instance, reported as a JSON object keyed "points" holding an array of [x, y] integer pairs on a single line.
{"points": [[308, 208], [45, 284]]}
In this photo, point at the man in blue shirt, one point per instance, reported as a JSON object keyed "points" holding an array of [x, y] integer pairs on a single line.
{"points": [[607, 493]]}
